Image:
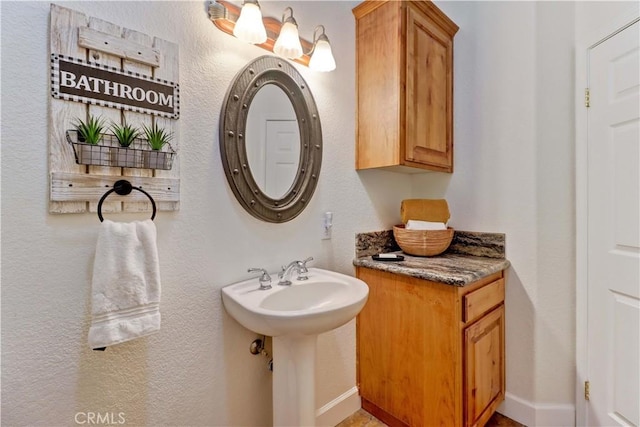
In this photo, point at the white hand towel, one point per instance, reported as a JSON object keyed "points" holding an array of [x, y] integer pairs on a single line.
{"points": [[126, 283], [425, 225]]}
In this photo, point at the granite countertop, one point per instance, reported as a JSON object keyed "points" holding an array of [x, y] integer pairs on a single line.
{"points": [[471, 257]]}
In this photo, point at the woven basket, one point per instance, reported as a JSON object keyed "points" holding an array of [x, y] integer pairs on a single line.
{"points": [[422, 242]]}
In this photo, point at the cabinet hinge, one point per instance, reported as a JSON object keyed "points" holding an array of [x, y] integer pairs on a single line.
{"points": [[587, 98], [586, 390]]}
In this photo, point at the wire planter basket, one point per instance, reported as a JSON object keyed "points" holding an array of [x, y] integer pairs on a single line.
{"points": [[109, 152]]}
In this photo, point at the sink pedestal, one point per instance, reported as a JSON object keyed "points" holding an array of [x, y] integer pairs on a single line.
{"points": [[294, 371]]}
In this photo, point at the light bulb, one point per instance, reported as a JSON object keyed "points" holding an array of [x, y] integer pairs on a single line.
{"points": [[288, 43], [249, 27], [322, 58]]}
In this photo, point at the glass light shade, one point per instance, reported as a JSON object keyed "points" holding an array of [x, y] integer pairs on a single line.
{"points": [[322, 58], [249, 27], [288, 43]]}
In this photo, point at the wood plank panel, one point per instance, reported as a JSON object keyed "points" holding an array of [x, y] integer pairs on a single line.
{"points": [[114, 45], [137, 119], [110, 115], [68, 187], [169, 70], [64, 41]]}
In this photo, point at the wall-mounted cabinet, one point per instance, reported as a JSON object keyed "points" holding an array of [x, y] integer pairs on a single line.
{"points": [[404, 70]]}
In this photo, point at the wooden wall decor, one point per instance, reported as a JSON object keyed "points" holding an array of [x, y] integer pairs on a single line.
{"points": [[76, 188]]}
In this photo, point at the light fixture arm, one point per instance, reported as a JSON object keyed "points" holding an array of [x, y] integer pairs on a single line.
{"points": [[321, 36], [290, 18], [316, 38]]}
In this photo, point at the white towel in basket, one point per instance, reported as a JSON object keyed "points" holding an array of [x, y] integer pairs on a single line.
{"points": [[126, 283], [425, 225]]}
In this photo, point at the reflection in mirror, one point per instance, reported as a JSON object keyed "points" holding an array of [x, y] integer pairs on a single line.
{"points": [[273, 141]]}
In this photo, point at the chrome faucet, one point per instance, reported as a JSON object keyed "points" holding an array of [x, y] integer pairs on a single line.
{"points": [[299, 266], [264, 280]]}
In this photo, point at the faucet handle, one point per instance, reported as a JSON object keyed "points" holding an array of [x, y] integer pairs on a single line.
{"points": [[265, 279], [282, 270], [302, 272]]}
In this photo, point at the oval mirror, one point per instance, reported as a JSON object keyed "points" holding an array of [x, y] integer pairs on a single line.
{"points": [[273, 181], [273, 141]]}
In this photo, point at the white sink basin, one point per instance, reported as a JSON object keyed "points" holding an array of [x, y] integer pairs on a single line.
{"points": [[322, 303]]}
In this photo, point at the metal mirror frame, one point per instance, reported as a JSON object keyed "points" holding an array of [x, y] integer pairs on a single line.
{"points": [[233, 119]]}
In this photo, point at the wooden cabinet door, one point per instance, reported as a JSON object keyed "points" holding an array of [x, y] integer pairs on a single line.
{"points": [[484, 367], [428, 99]]}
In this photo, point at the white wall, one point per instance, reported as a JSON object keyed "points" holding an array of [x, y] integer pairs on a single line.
{"points": [[197, 370], [514, 173], [555, 199], [594, 16]]}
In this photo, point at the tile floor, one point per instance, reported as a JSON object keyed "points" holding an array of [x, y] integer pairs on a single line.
{"points": [[364, 419]]}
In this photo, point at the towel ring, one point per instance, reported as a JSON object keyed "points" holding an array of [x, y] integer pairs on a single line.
{"points": [[123, 188]]}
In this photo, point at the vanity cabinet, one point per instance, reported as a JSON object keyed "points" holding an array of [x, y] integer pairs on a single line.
{"points": [[430, 353], [404, 71]]}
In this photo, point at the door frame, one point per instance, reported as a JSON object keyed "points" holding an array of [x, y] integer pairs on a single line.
{"points": [[583, 49]]}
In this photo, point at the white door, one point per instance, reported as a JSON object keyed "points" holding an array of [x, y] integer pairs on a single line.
{"points": [[282, 156], [614, 231]]}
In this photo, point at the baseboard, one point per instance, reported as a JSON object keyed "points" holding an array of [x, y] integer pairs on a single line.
{"points": [[538, 415], [339, 408], [518, 409]]}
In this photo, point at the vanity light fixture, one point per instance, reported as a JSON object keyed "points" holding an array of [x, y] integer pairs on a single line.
{"points": [[321, 56], [288, 43], [249, 27], [226, 16]]}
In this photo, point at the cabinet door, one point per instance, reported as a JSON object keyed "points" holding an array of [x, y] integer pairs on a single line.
{"points": [[429, 94], [484, 367]]}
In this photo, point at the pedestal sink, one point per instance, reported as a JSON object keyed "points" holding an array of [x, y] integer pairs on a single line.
{"points": [[294, 316]]}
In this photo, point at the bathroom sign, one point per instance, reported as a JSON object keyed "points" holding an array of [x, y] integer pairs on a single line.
{"points": [[105, 70], [74, 79]]}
